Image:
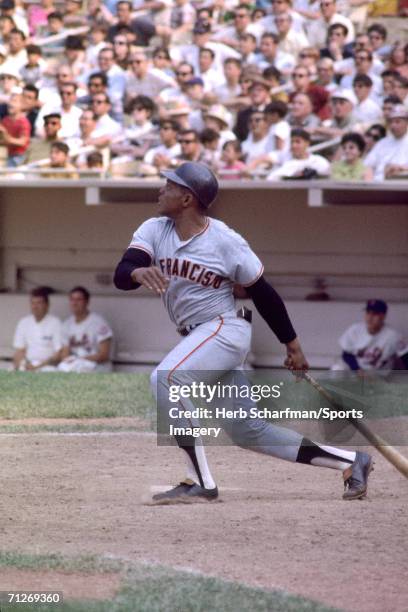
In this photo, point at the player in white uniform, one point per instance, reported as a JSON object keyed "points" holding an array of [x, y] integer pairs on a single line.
{"points": [[371, 345], [87, 337], [193, 261], [37, 339]]}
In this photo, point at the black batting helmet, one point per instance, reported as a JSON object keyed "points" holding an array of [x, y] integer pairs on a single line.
{"points": [[196, 177]]}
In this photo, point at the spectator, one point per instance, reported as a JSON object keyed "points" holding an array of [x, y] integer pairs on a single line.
{"points": [[17, 54], [37, 340], [377, 34], [337, 48], [161, 157], [141, 80], [40, 146], [351, 167], [301, 114], [388, 158], [366, 111], [210, 139], [247, 48], [70, 112], [280, 7], [317, 31], [398, 59], [363, 64], [201, 38], [6, 26], [86, 138], [32, 72], [8, 8], [121, 47], [259, 97], [212, 78], [219, 119], [116, 80], [279, 128], [325, 75], [59, 163], [162, 63], [231, 166], [74, 56], [30, 105], [181, 21], [184, 74], [73, 15], [191, 149], [141, 111], [15, 130], [227, 93], [373, 135], [256, 145], [87, 337], [55, 26], [273, 77], [372, 345], [97, 42], [289, 40], [142, 28], [94, 161], [343, 102], [97, 83], [319, 96], [242, 24], [106, 128], [37, 16], [269, 53], [299, 163], [9, 80], [388, 106], [401, 89]]}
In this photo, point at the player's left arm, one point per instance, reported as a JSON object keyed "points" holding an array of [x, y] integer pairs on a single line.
{"points": [[103, 353], [272, 309]]}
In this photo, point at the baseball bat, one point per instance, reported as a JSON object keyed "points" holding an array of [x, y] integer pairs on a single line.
{"points": [[389, 452]]}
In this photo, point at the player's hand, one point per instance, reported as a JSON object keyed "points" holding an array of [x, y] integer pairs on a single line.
{"points": [[295, 361], [152, 278]]}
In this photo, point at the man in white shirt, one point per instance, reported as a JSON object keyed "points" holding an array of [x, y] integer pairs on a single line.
{"points": [[318, 29], [299, 161], [142, 79], [86, 336], [160, 157], [271, 55], [106, 128], [371, 345], [230, 35], [37, 339], [366, 111], [290, 41], [258, 140], [389, 157]]}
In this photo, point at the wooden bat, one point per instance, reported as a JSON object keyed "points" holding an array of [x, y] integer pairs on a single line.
{"points": [[389, 452]]}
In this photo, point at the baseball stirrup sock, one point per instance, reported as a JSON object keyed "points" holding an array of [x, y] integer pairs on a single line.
{"points": [[197, 466], [324, 456]]}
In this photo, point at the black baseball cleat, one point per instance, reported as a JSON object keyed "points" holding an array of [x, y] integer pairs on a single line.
{"points": [[356, 476], [185, 493]]}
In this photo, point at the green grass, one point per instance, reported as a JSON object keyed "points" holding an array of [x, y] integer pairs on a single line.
{"points": [[156, 588], [58, 395]]}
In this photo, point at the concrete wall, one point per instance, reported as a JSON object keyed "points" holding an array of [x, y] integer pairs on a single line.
{"points": [[49, 236]]}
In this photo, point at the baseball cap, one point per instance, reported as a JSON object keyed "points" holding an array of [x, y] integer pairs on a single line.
{"points": [[202, 27], [344, 94], [194, 81], [399, 111], [378, 306]]}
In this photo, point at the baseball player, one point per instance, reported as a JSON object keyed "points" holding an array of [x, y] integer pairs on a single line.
{"points": [[192, 261], [37, 339], [372, 345], [87, 338]]}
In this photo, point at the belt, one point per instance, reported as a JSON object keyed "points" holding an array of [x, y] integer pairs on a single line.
{"points": [[242, 313]]}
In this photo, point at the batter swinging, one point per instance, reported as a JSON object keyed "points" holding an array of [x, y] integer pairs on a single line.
{"points": [[193, 261]]}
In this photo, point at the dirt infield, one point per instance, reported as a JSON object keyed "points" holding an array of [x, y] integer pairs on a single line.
{"points": [[280, 525]]}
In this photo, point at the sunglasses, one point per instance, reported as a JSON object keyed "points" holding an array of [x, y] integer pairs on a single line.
{"points": [[166, 127], [99, 102], [120, 42], [138, 61], [298, 75], [374, 136], [187, 141], [51, 122], [184, 73], [256, 120], [161, 57]]}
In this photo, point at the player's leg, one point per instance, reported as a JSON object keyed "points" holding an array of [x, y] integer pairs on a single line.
{"points": [[203, 356], [284, 443]]}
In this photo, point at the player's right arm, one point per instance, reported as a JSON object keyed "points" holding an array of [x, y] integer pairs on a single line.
{"points": [[135, 268]]}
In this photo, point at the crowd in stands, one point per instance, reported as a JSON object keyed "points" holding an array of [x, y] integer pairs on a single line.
{"points": [[273, 89]]}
